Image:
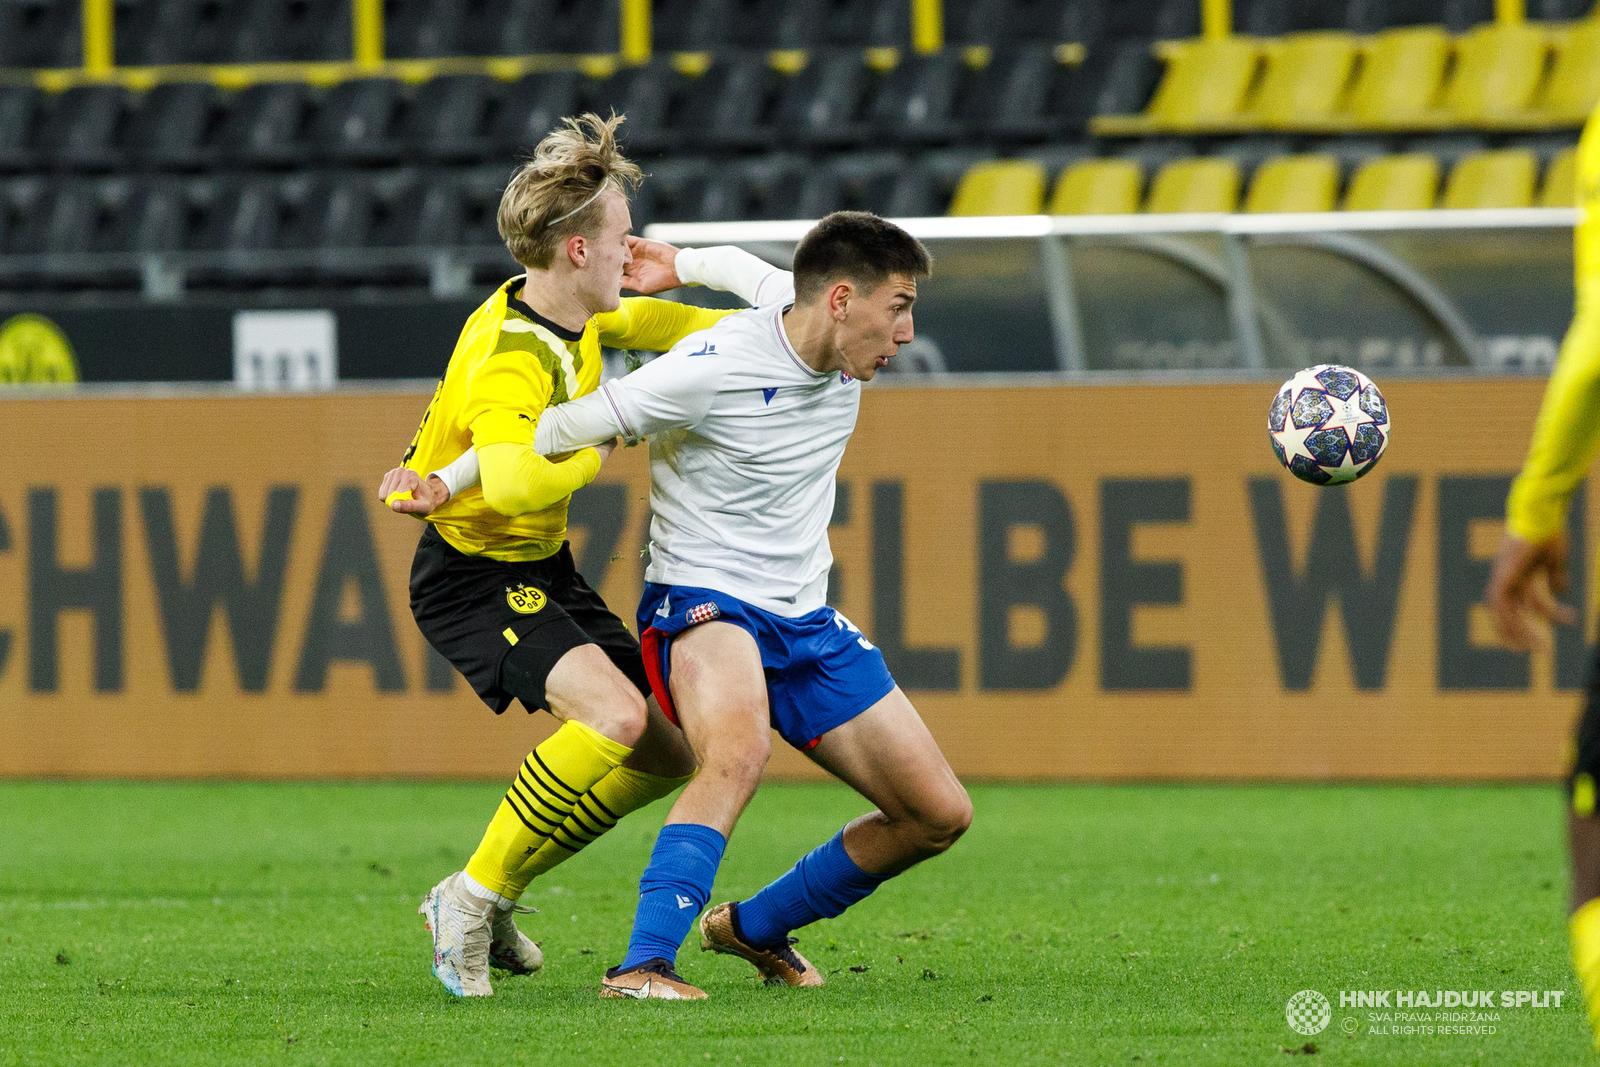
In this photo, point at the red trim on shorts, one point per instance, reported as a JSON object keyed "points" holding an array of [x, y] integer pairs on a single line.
{"points": [[653, 643]]}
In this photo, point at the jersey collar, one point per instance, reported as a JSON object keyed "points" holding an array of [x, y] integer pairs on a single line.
{"points": [[515, 303], [783, 340]]}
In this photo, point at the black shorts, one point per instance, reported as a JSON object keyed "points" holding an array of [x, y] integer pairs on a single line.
{"points": [[1586, 748], [504, 625]]}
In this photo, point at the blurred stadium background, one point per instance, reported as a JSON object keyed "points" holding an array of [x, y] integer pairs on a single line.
{"points": [[238, 239]]}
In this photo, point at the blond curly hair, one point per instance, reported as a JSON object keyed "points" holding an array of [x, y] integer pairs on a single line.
{"points": [[555, 195]]}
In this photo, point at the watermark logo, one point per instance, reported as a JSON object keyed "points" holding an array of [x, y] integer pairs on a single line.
{"points": [[1309, 1012]]}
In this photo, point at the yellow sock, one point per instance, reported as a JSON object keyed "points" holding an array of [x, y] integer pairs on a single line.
{"points": [[553, 777], [1585, 929], [618, 794]]}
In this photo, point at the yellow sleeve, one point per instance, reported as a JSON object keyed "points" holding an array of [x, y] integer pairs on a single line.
{"points": [[505, 397], [517, 480], [643, 322], [1567, 433]]}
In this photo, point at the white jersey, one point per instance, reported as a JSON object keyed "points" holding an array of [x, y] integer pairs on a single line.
{"points": [[745, 440]]}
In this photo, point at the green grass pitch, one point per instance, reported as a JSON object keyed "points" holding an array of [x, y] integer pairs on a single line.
{"points": [[256, 923]]}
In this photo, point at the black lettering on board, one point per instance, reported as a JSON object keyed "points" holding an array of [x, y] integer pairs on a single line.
{"points": [[1125, 584], [348, 557], [913, 668], [1005, 584], [96, 588]]}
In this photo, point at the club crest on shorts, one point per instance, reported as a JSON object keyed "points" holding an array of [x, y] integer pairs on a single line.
{"points": [[525, 599], [702, 613]]}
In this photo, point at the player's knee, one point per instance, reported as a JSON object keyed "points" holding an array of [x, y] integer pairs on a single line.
{"points": [[624, 715], [739, 760], [943, 824]]}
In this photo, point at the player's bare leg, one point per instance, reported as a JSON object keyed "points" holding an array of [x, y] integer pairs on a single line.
{"points": [[719, 692], [888, 756]]}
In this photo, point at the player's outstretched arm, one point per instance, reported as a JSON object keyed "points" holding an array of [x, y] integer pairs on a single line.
{"points": [[669, 393]]}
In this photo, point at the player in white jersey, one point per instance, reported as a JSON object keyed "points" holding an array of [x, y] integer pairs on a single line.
{"points": [[748, 421]]}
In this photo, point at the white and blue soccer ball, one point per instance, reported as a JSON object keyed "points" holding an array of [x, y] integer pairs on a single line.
{"points": [[1328, 424]]}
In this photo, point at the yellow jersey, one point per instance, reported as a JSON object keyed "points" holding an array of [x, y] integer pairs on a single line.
{"points": [[1567, 432], [508, 366]]}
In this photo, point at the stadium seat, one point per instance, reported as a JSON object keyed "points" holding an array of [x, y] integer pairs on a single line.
{"points": [[1003, 187], [1305, 80], [1098, 187], [450, 118], [1560, 188], [928, 187], [423, 28], [1204, 86], [267, 126], [1294, 183], [1028, 93], [1207, 183], [40, 33], [358, 122], [825, 104], [85, 128], [863, 181], [866, 23], [179, 31], [918, 101], [733, 103], [763, 187], [428, 215], [1493, 180], [532, 108], [1498, 67], [292, 30], [1000, 22], [1400, 78], [175, 127], [655, 99], [673, 191], [1395, 183], [574, 26], [20, 118], [158, 216], [690, 25], [1573, 88]]}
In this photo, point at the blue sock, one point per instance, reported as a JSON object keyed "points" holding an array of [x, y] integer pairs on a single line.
{"points": [[674, 890], [820, 886]]}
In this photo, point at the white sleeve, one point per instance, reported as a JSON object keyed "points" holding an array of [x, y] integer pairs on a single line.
{"points": [[669, 392], [460, 474], [733, 270]]}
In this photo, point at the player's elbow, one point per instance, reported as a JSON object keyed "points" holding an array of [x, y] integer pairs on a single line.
{"points": [[507, 499]]}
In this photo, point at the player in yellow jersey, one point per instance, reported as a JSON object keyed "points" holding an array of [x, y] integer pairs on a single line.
{"points": [[1530, 569], [493, 586]]}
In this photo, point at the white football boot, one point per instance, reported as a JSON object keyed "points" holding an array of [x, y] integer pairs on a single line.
{"points": [[509, 948], [460, 923]]}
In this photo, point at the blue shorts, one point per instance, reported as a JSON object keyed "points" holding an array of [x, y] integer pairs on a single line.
{"points": [[821, 672]]}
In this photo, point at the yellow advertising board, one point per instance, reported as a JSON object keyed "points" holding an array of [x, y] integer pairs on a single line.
{"points": [[1088, 581]]}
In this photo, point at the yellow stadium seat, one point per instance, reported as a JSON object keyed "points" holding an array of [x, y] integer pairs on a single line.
{"points": [[1395, 183], [1498, 69], [1401, 73], [1202, 184], [1305, 80], [1204, 86], [1295, 183], [1573, 88], [1493, 179], [1003, 187], [1560, 187], [1097, 187]]}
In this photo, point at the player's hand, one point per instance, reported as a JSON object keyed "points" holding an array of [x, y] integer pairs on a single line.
{"points": [[1523, 586], [654, 269], [605, 448], [424, 495]]}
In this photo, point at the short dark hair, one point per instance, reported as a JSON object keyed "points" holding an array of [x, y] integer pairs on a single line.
{"points": [[857, 246]]}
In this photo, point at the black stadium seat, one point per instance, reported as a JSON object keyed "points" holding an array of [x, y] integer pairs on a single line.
{"points": [[575, 26], [825, 104], [20, 118], [157, 216], [280, 30], [733, 104], [1000, 22], [532, 108], [673, 191], [359, 122], [177, 126], [691, 25], [87, 127], [267, 125], [655, 100], [763, 187], [864, 181], [40, 33], [422, 29], [918, 102], [450, 119]]}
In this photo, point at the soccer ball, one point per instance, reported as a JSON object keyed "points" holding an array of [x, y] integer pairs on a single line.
{"points": [[1328, 424]]}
